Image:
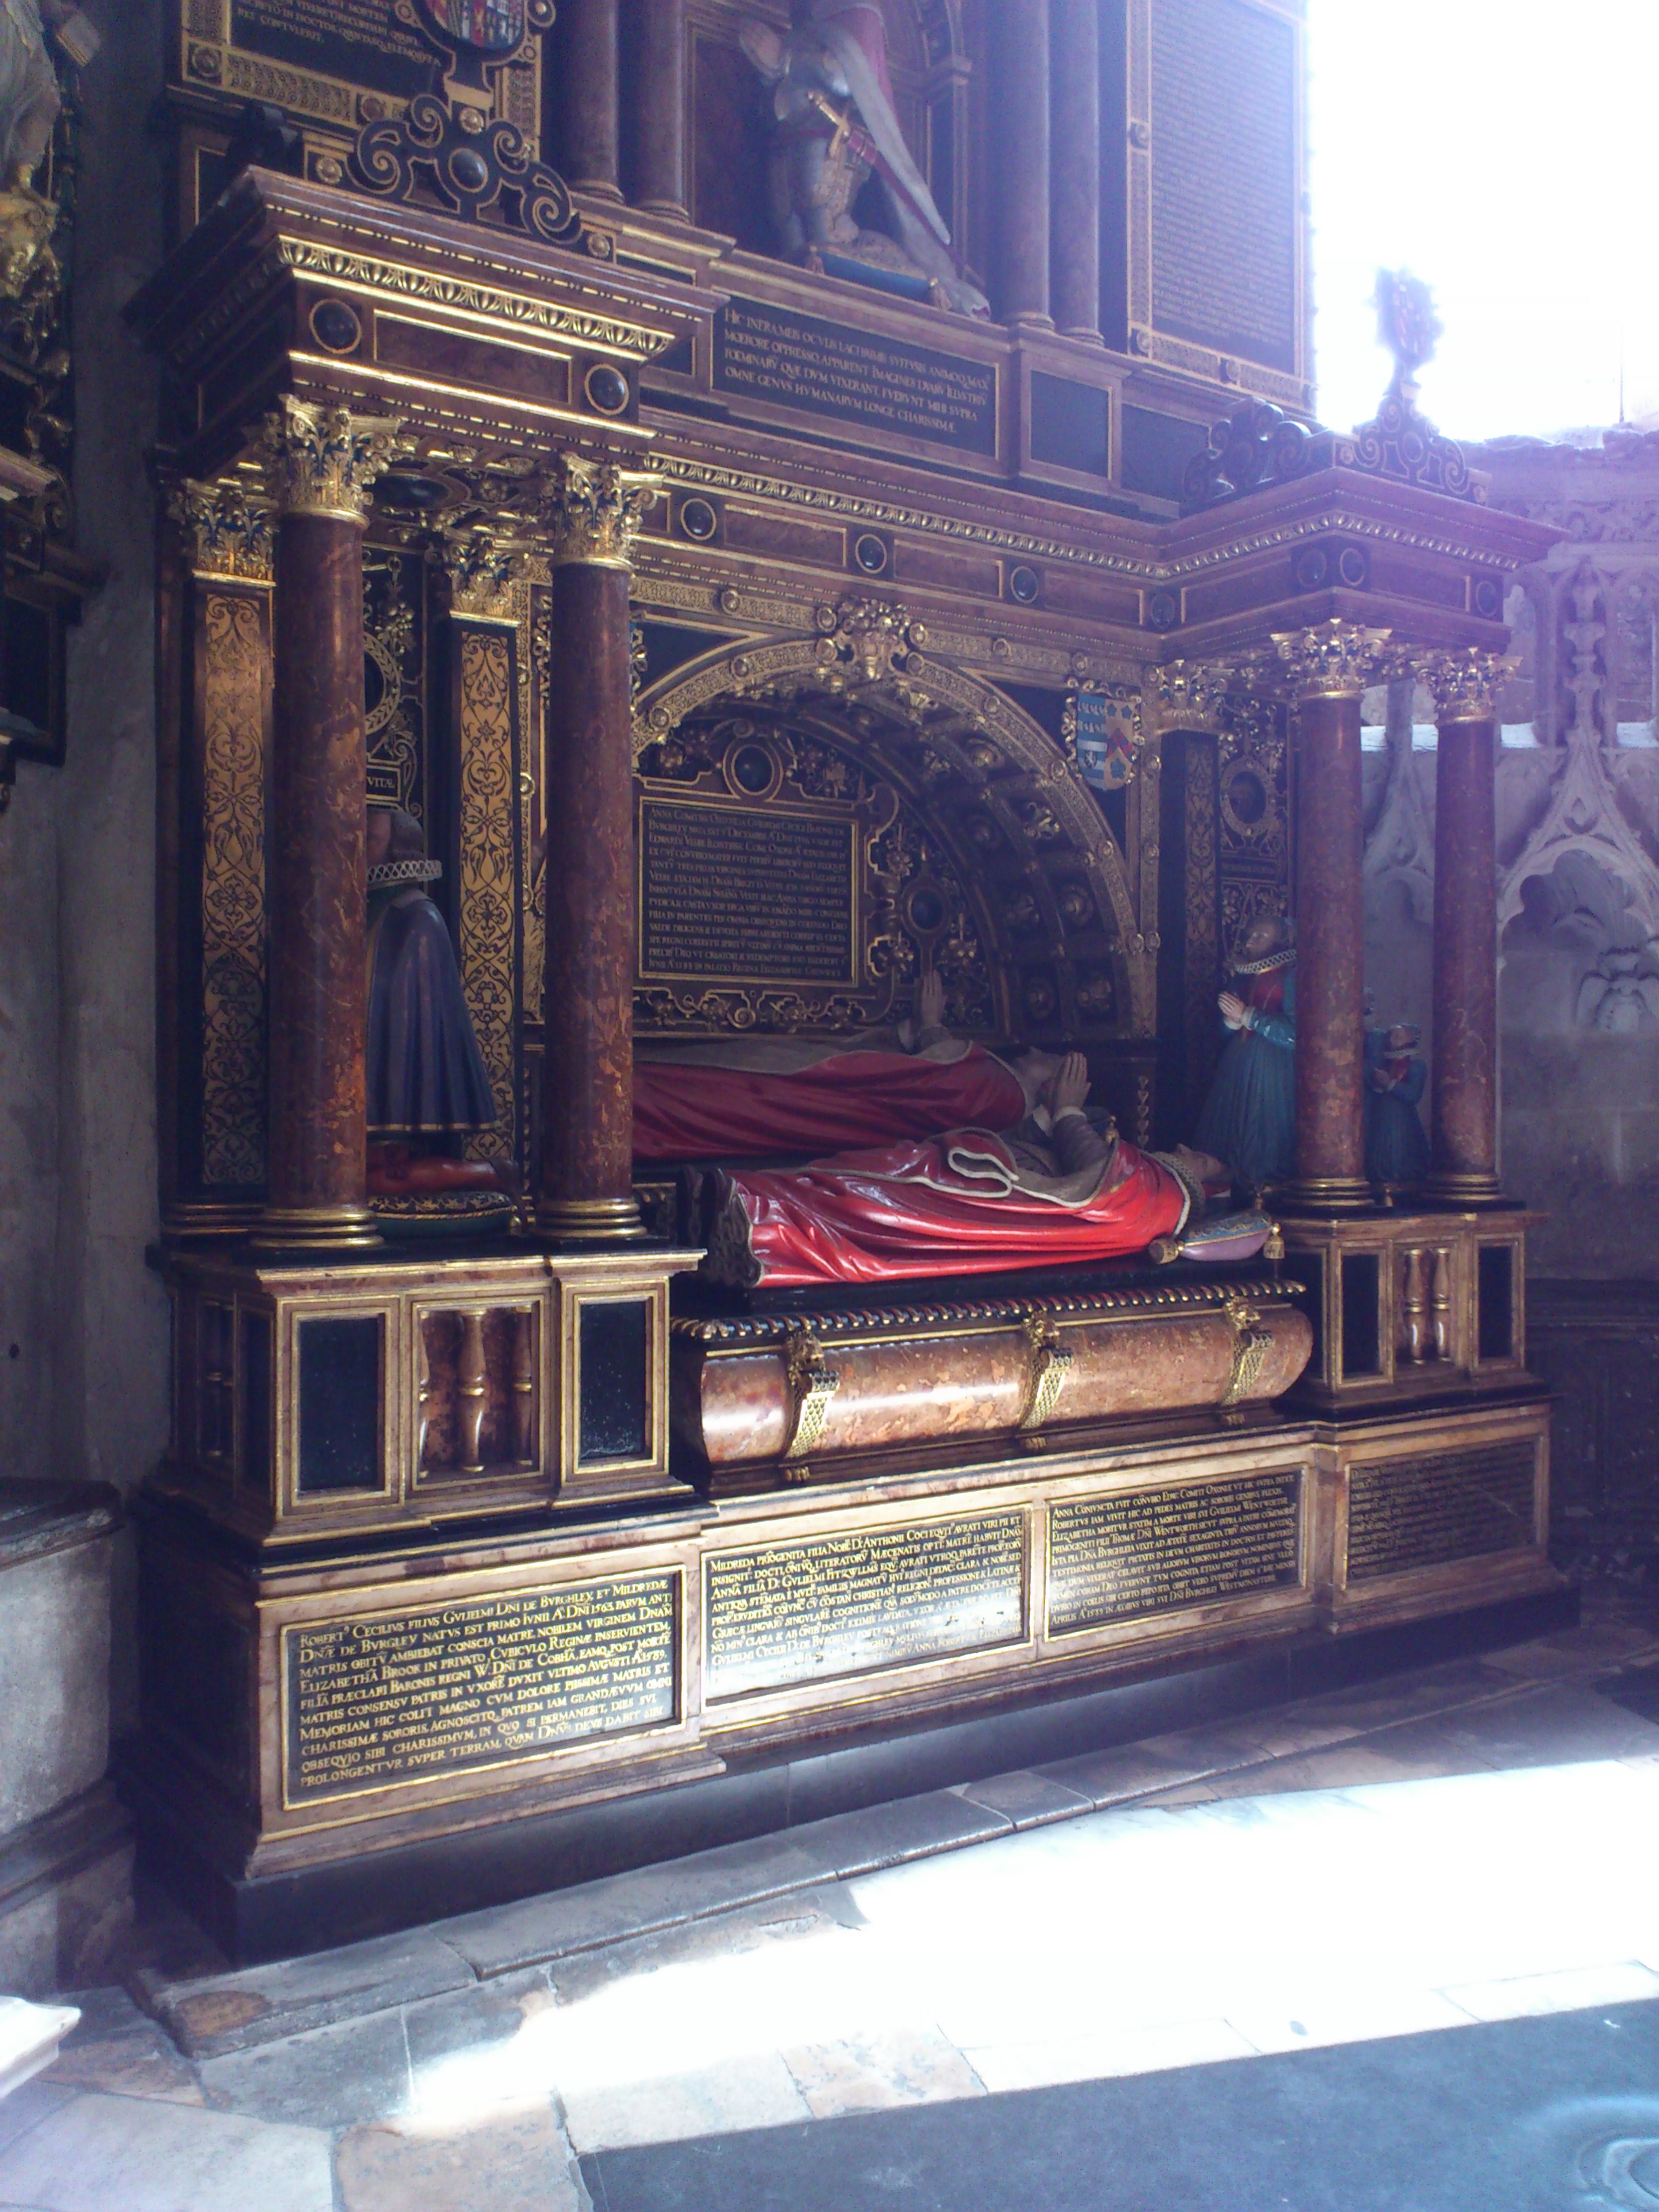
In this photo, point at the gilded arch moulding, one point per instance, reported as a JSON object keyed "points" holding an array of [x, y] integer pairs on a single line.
{"points": [[1048, 882]]}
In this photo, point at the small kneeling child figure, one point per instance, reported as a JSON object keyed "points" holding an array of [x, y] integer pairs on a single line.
{"points": [[427, 1084], [1396, 1145]]}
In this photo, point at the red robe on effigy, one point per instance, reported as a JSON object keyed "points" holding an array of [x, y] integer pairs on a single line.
{"points": [[685, 1109], [968, 1203]]}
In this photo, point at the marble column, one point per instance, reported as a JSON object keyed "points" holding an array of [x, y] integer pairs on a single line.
{"points": [[1328, 668], [657, 107], [589, 59], [590, 513], [321, 464], [1464, 1066], [1075, 185], [1020, 96]]}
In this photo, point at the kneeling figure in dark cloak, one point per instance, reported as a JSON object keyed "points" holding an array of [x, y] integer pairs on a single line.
{"points": [[427, 1084]]}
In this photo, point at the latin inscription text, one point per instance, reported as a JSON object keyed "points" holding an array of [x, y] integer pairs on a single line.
{"points": [[392, 1698], [745, 893], [359, 40], [830, 369], [1449, 1506], [804, 1611], [1156, 1551], [1224, 179]]}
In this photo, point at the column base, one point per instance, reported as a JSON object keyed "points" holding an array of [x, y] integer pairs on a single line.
{"points": [[1029, 318], [589, 1220], [1465, 1191], [1327, 1195], [669, 210], [316, 1229]]}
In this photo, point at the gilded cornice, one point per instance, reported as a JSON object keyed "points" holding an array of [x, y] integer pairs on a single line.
{"points": [[229, 533], [467, 298], [591, 511], [325, 461], [1335, 659]]}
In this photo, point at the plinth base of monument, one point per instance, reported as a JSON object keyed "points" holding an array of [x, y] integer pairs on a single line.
{"points": [[342, 1740], [257, 1917]]}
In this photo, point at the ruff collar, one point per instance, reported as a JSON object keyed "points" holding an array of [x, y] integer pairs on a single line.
{"points": [[1284, 957], [392, 873]]}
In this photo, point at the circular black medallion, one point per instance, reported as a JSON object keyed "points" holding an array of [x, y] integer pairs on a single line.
{"points": [[1024, 584], [870, 553], [336, 326], [698, 520], [606, 388], [469, 169]]}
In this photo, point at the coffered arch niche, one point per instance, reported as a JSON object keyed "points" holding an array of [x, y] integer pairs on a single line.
{"points": [[1029, 915]]}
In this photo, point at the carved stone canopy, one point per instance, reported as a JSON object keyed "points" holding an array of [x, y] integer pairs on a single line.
{"points": [[1047, 915]]}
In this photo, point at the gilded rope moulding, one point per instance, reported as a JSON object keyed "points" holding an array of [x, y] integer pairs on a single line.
{"points": [[325, 460], [592, 511]]}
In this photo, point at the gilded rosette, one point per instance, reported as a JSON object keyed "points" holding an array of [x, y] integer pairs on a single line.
{"points": [[592, 511], [325, 460]]}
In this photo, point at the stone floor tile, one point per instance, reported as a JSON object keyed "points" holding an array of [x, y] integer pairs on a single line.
{"points": [[757, 2092], [508, 2160], [1129, 1770], [1364, 2018], [473, 2019], [1422, 1691], [872, 2073], [1340, 1766], [1027, 1800], [119, 2049], [329, 2077], [510, 1936], [233, 2012], [27, 2107], [796, 1916], [1575, 1990], [1557, 1725], [101, 2153], [1151, 2049], [849, 1843]]}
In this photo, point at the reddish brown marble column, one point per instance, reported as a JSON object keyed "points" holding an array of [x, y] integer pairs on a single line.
{"points": [[321, 463], [588, 97], [1019, 94], [657, 85], [586, 1193], [1075, 189], [1464, 1171], [1329, 666]]}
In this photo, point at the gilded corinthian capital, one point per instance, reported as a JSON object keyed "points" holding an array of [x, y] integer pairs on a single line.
{"points": [[228, 532], [1465, 682], [325, 461], [1186, 694], [1335, 659], [591, 511]]}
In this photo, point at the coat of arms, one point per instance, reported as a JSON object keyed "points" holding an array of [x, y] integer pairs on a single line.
{"points": [[485, 26]]}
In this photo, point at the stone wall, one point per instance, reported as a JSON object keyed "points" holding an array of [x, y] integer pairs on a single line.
{"points": [[83, 1322]]}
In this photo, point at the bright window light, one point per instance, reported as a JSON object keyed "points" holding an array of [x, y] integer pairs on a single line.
{"points": [[1506, 155]]}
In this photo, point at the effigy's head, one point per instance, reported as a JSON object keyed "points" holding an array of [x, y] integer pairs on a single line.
{"points": [[1404, 1036]]}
